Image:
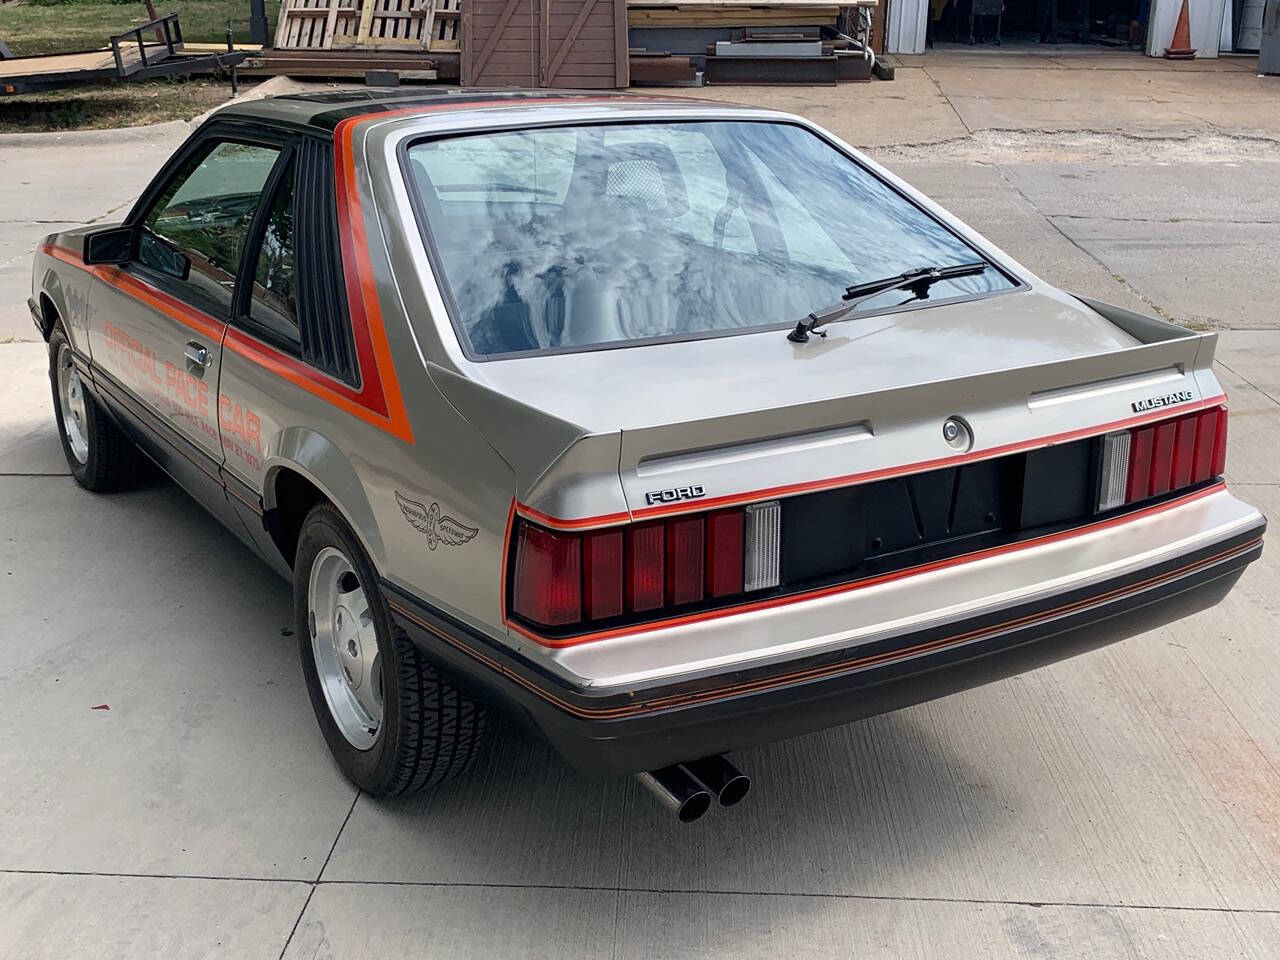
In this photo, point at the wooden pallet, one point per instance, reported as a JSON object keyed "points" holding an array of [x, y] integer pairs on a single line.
{"points": [[443, 31], [368, 25]]}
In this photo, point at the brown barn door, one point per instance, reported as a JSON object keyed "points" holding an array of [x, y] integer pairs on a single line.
{"points": [[545, 43]]}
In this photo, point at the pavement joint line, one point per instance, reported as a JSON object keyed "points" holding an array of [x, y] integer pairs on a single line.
{"points": [[21, 475], [938, 86], [1162, 313], [1082, 216], [319, 876], [1245, 379], [679, 891]]}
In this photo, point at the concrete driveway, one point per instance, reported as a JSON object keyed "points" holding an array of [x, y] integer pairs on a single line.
{"points": [[165, 792]]}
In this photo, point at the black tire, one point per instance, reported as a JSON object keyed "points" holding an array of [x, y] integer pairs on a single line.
{"points": [[430, 731], [111, 461]]}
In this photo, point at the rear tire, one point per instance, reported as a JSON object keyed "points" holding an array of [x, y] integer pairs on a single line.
{"points": [[100, 456], [393, 722]]}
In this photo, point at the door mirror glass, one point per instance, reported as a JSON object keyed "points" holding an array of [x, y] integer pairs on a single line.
{"points": [[109, 246], [162, 256]]}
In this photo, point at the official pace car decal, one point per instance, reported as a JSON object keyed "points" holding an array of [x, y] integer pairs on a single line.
{"points": [[438, 527], [1168, 400]]}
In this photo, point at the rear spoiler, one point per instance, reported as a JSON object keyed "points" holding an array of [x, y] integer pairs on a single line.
{"points": [[1142, 328]]}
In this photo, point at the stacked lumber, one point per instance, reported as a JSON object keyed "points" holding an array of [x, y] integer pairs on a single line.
{"points": [[742, 41], [658, 68], [772, 57], [729, 13], [342, 65]]}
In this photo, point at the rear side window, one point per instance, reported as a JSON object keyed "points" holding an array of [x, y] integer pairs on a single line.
{"points": [[195, 233], [273, 300], [570, 238]]}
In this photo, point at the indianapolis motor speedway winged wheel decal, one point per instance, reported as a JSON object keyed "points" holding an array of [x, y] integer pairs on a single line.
{"points": [[438, 527]]}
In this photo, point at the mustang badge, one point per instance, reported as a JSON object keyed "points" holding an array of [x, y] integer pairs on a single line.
{"points": [[438, 527]]}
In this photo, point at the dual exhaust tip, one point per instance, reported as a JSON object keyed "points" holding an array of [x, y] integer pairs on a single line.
{"points": [[688, 789]]}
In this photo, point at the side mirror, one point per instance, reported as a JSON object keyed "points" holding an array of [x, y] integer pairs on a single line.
{"points": [[114, 245]]}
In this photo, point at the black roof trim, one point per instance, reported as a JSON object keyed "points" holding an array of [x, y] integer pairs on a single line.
{"points": [[360, 103]]}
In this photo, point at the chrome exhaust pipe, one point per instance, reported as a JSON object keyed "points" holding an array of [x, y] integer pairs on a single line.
{"points": [[726, 782], [677, 791]]}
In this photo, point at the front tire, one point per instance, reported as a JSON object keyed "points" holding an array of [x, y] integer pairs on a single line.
{"points": [[100, 456], [392, 721]]}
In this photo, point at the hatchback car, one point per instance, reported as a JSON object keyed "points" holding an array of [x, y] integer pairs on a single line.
{"points": [[670, 427]]}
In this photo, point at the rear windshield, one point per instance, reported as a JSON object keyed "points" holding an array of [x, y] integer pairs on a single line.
{"points": [[570, 238]]}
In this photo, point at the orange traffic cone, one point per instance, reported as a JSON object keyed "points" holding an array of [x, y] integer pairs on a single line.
{"points": [[1180, 47]]}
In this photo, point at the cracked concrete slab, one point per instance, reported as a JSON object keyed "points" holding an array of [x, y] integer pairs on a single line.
{"points": [[984, 198], [27, 441], [55, 916], [206, 759], [1193, 270], [1230, 190], [436, 921]]}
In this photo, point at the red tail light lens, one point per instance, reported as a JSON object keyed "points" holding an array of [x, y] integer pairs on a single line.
{"points": [[602, 574], [685, 560], [1170, 455], [1140, 447], [646, 551], [1220, 445], [1206, 439], [548, 576], [724, 553], [562, 579]]}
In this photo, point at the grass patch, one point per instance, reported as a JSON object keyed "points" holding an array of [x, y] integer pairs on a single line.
{"points": [[111, 105], [56, 26]]}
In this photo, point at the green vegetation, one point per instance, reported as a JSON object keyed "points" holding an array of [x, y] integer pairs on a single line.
{"points": [[59, 26], [111, 105], [54, 26]]}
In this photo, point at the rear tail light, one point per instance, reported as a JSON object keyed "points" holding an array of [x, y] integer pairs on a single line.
{"points": [[1170, 455], [548, 576], [643, 570]]}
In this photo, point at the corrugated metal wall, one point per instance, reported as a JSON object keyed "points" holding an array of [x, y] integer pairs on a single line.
{"points": [[1205, 17], [906, 25], [545, 43]]}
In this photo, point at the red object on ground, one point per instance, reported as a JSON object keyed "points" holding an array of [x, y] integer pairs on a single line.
{"points": [[101, 706], [1180, 47]]}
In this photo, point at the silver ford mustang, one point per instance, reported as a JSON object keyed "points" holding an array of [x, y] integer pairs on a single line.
{"points": [[669, 427]]}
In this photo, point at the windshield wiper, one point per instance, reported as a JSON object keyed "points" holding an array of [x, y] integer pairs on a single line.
{"points": [[918, 281]]}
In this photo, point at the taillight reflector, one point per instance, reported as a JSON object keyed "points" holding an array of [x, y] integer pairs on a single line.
{"points": [[763, 537], [1170, 455]]}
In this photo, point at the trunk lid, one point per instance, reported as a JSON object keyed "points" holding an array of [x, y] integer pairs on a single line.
{"points": [[729, 419]]}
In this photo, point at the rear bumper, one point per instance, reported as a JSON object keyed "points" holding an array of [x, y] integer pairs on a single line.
{"points": [[614, 733]]}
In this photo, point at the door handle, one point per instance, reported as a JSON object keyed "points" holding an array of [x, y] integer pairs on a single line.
{"points": [[198, 357]]}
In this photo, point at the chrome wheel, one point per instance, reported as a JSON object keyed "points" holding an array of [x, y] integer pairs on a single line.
{"points": [[75, 422], [344, 643]]}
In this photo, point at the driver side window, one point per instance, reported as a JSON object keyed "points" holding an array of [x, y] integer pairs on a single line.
{"points": [[195, 232]]}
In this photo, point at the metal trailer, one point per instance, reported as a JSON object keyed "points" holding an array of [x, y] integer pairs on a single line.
{"points": [[131, 56]]}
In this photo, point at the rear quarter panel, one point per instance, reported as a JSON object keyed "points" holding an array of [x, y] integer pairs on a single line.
{"points": [[391, 452]]}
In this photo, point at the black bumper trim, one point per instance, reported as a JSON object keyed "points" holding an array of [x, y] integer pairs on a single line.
{"points": [[644, 728]]}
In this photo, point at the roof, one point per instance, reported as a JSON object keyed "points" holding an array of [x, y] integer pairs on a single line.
{"points": [[326, 110]]}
